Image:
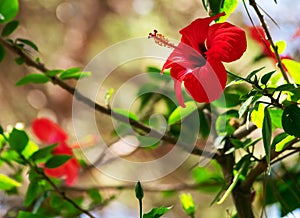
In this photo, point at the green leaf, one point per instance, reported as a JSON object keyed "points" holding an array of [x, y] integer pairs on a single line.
{"points": [[281, 45], [8, 10], [293, 68], [228, 7], [19, 60], [204, 128], [229, 100], [32, 192], [53, 72], [2, 53], [250, 75], [281, 144], [18, 140], [245, 106], [57, 161], [95, 195], [29, 43], [9, 28], [1, 130], [180, 113], [267, 134], [30, 149], [73, 73], [148, 142], [108, 95], [187, 203], [43, 154], [25, 214], [224, 125], [157, 212], [125, 113], [276, 115], [264, 80], [291, 120], [257, 115], [7, 183], [139, 192], [33, 78]]}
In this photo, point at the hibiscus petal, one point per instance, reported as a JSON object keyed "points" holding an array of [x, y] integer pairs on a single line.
{"points": [[225, 42], [196, 33], [178, 91], [257, 33], [206, 84], [47, 131]]}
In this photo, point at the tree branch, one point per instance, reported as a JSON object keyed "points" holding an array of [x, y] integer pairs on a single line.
{"points": [[269, 37]]}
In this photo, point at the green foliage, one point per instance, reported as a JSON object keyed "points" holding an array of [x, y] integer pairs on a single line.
{"points": [[28, 43], [9, 28], [139, 192], [180, 113], [95, 196], [225, 124], [125, 113], [57, 160], [293, 68], [25, 214], [218, 6], [7, 183], [267, 134], [157, 212], [74, 73], [18, 140], [33, 78], [43, 154], [8, 10], [291, 120]]}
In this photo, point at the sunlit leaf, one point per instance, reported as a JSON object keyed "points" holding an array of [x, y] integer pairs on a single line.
{"points": [[291, 120], [157, 212], [33, 78], [125, 113], [7, 183], [180, 113], [9, 28], [229, 7], [30, 148], [43, 154], [57, 161], [281, 45], [8, 10], [53, 72], [74, 73], [257, 115], [187, 203], [293, 68]]}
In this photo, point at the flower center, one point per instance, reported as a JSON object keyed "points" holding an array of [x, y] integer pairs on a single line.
{"points": [[160, 39]]}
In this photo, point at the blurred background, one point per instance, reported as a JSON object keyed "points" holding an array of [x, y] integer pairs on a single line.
{"points": [[70, 33]]}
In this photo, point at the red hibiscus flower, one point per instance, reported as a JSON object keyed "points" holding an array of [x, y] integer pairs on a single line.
{"points": [[50, 133], [197, 60]]}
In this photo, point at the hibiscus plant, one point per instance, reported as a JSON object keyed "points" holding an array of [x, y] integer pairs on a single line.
{"points": [[244, 126]]}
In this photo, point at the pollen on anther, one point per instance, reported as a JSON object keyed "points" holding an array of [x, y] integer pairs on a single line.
{"points": [[160, 39]]}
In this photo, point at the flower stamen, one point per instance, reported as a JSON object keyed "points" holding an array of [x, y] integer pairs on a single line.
{"points": [[160, 39]]}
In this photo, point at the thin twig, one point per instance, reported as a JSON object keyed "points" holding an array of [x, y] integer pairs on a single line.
{"points": [[104, 110], [269, 37]]}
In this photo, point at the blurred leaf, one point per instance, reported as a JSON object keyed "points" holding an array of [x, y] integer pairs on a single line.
{"points": [[281, 45], [25, 214], [245, 106], [201, 174], [250, 75], [9, 28], [1, 130], [32, 192], [157, 212], [125, 113], [2, 53], [204, 128], [265, 78], [33, 78], [18, 140], [279, 146], [228, 7], [57, 161], [291, 120], [293, 68], [74, 73], [276, 115], [7, 183], [229, 100], [40, 201], [108, 95], [139, 192], [53, 72], [223, 123], [187, 203], [43, 154], [29, 43], [19, 60], [267, 134], [148, 142], [95, 195], [8, 10], [180, 113], [30, 149]]}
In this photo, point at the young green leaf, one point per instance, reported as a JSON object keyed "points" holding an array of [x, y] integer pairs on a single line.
{"points": [[73, 73], [30, 148], [157, 212], [264, 80], [267, 134], [293, 68], [32, 192], [9, 28], [25, 214], [53, 72], [7, 183], [57, 161], [19, 60], [18, 140], [180, 113], [291, 120], [2, 53], [95, 195], [8, 10], [33, 78], [29, 43], [125, 113], [43, 154], [188, 204], [250, 75], [228, 7]]}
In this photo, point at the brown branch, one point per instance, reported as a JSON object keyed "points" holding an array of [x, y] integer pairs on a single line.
{"points": [[262, 165], [55, 80], [269, 37]]}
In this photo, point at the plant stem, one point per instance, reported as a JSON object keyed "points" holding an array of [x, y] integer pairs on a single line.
{"points": [[141, 208]]}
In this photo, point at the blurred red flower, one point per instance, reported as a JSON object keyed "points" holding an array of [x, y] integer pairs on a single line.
{"points": [[197, 60], [50, 133]]}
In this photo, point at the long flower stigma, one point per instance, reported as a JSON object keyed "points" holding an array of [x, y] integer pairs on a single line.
{"points": [[160, 39]]}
